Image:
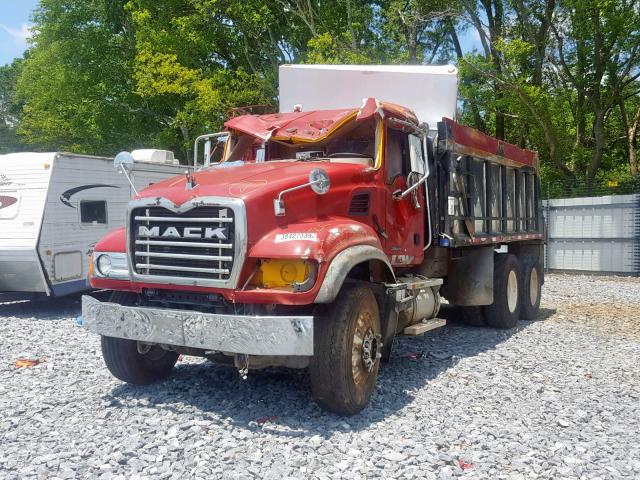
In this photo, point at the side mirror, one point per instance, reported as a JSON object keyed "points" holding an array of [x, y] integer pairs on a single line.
{"points": [[123, 161], [212, 141], [319, 181]]}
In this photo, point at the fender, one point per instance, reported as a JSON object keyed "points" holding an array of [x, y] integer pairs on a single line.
{"points": [[319, 241], [114, 241], [342, 265]]}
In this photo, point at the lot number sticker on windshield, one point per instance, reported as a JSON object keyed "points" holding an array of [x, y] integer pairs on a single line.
{"points": [[288, 237]]}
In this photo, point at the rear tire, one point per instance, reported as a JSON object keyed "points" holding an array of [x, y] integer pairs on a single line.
{"points": [[504, 312], [126, 363], [348, 347], [531, 288]]}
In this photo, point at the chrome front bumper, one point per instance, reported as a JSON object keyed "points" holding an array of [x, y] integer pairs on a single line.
{"points": [[251, 335]]}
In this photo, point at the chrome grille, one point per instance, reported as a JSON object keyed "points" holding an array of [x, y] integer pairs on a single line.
{"points": [[198, 243]]}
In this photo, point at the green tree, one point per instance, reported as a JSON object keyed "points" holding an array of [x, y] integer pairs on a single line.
{"points": [[77, 85], [558, 76], [197, 59], [9, 108], [598, 52]]}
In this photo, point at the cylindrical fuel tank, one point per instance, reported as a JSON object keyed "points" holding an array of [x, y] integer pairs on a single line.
{"points": [[425, 303]]}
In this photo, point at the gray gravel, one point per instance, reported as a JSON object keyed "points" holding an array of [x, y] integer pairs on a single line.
{"points": [[556, 398]]}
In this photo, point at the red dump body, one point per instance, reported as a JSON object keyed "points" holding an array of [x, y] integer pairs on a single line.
{"points": [[474, 142]]}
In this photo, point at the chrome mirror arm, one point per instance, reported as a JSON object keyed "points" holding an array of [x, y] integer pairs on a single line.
{"points": [[278, 203], [318, 181], [126, 174], [399, 195]]}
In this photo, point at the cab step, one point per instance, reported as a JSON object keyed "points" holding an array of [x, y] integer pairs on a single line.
{"points": [[424, 326]]}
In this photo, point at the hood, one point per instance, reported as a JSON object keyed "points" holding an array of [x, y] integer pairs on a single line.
{"points": [[249, 180], [314, 125]]}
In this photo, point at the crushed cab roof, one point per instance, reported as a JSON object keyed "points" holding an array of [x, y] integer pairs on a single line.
{"points": [[315, 125]]}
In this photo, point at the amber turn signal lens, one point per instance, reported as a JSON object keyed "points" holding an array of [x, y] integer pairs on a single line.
{"points": [[280, 273]]}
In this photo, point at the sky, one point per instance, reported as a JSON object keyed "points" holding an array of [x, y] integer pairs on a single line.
{"points": [[15, 30]]}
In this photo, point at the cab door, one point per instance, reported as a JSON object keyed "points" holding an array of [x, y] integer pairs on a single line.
{"points": [[405, 215]]}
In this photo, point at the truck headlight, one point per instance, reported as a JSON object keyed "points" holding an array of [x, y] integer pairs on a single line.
{"points": [[110, 265], [297, 274], [104, 265]]}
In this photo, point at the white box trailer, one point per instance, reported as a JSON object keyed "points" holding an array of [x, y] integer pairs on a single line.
{"points": [[54, 207], [431, 91]]}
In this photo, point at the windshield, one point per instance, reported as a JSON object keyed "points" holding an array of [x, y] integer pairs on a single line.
{"points": [[354, 143]]}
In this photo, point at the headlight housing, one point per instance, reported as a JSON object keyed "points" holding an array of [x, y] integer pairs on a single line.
{"points": [[299, 275], [103, 264], [110, 265]]}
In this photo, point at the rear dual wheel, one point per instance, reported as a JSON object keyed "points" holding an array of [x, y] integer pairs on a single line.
{"points": [[505, 310], [532, 279], [517, 290]]}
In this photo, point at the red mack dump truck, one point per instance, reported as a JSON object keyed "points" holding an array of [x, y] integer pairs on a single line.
{"points": [[311, 238]]}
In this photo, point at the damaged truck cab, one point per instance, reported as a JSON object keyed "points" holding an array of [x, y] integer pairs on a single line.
{"points": [[310, 239]]}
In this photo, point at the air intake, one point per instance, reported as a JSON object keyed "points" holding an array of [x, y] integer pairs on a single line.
{"points": [[359, 205]]}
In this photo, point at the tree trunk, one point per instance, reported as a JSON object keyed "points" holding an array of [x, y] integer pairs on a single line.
{"points": [[598, 148], [352, 33], [542, 37], [580, 119], [633, 145], [477, 118], [412, 44], [494, 12]]}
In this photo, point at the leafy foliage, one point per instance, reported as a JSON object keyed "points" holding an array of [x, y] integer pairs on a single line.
{"points": [[9, 108], [558, 76]]}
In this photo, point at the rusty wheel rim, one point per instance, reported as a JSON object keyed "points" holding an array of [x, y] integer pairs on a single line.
{"points": [[366, 349]]}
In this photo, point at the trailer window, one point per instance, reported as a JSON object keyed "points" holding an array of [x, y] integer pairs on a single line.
{"points": [[93, 212]]}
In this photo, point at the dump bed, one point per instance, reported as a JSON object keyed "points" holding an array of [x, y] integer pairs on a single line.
{"points": [[488, 190]]}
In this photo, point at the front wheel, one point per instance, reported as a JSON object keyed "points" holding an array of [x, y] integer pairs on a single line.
{"points": [[348, 347], [127, 362], [505, 309], [133, 363]]}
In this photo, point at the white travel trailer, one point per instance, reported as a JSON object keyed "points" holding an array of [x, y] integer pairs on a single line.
{"points": [[55, 206]]}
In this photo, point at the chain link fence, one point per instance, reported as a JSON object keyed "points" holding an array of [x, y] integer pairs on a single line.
{"points": [[573, 189]]}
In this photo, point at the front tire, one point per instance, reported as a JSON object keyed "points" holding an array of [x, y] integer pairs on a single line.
{"points": [[505, 310], [124, 360], [348, 348], [126, 363]]}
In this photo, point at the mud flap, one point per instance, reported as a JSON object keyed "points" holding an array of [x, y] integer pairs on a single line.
{"points": [[470, 279]]}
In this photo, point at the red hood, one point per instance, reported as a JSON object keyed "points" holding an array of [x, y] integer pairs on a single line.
{"points": [[250, 180]]}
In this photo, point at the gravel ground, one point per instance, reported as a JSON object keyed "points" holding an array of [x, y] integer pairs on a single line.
{"points": [[555, 398]]}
